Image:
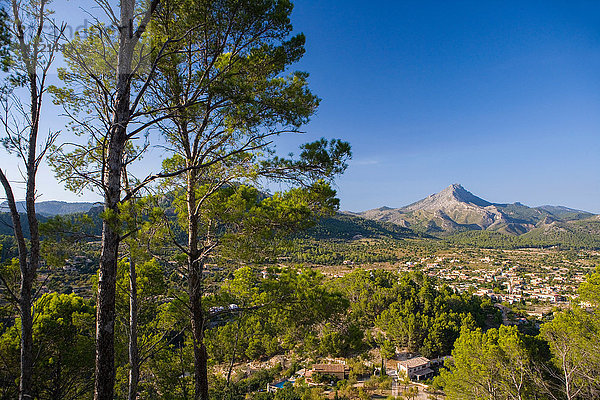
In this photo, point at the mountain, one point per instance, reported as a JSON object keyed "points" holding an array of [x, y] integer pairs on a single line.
{"points": [[455, 209], [52, 208]]}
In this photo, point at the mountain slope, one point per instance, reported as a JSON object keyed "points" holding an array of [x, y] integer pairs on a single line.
{"points": [[580, 234], [345, 226], [6, 226], [52, 208]]}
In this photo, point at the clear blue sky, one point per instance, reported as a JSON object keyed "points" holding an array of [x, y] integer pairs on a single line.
{"points": [[502, 97]]}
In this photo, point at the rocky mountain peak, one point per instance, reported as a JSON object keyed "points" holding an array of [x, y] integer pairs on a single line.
{"points": [[464, 196], [448, 198]]}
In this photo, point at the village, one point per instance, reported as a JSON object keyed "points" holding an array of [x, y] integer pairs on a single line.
{"points": [[508, 282], [532, 280]]}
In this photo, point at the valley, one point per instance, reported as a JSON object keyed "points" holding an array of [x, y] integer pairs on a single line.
{"points": [[481, 275]]}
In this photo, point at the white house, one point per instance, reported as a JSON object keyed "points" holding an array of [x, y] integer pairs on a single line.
{"points": [[417, 368]]}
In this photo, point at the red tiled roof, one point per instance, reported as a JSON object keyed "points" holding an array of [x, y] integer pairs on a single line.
{"points": [[330, 368]]}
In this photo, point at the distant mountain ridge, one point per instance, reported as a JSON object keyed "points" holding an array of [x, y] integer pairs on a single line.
{"points": [[52, 208], [455, 209]]}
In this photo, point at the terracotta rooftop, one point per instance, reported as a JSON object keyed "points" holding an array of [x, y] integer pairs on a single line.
{"points": [[326, 368]]}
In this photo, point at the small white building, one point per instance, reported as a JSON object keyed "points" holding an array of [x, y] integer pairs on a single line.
{"points": [[416, 369]]}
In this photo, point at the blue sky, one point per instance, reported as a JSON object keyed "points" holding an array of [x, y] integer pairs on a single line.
{"points": [[502, 97]]}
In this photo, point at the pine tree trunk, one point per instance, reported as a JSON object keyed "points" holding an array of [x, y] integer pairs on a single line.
{"points": [[195, 292], [105, 313], [134, 358], [30, 42], [28, 273], [200, 354], [25, 392], [24, 299], [235, 345], [28, 260]]}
